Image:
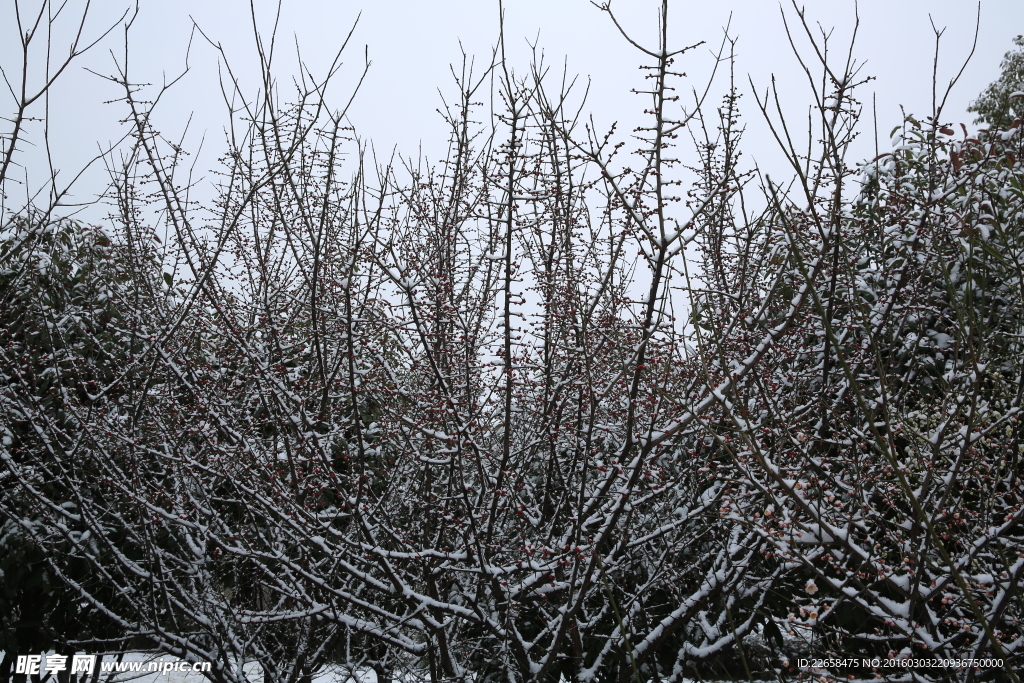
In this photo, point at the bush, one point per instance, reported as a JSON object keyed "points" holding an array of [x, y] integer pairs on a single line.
{"points": [[440, 422]]}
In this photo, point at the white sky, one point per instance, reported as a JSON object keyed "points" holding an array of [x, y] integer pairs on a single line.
{"points": [[411, 44]]}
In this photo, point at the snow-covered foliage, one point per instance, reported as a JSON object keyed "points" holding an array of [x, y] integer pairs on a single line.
{"points": [[879, 447], [1003, 100], [531, 412]]}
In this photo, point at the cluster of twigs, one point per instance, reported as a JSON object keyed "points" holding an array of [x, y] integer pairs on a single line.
{"points": [[534, 411]]}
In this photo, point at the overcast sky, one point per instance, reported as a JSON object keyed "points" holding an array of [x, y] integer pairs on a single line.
{"points": [[411, 44]]}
